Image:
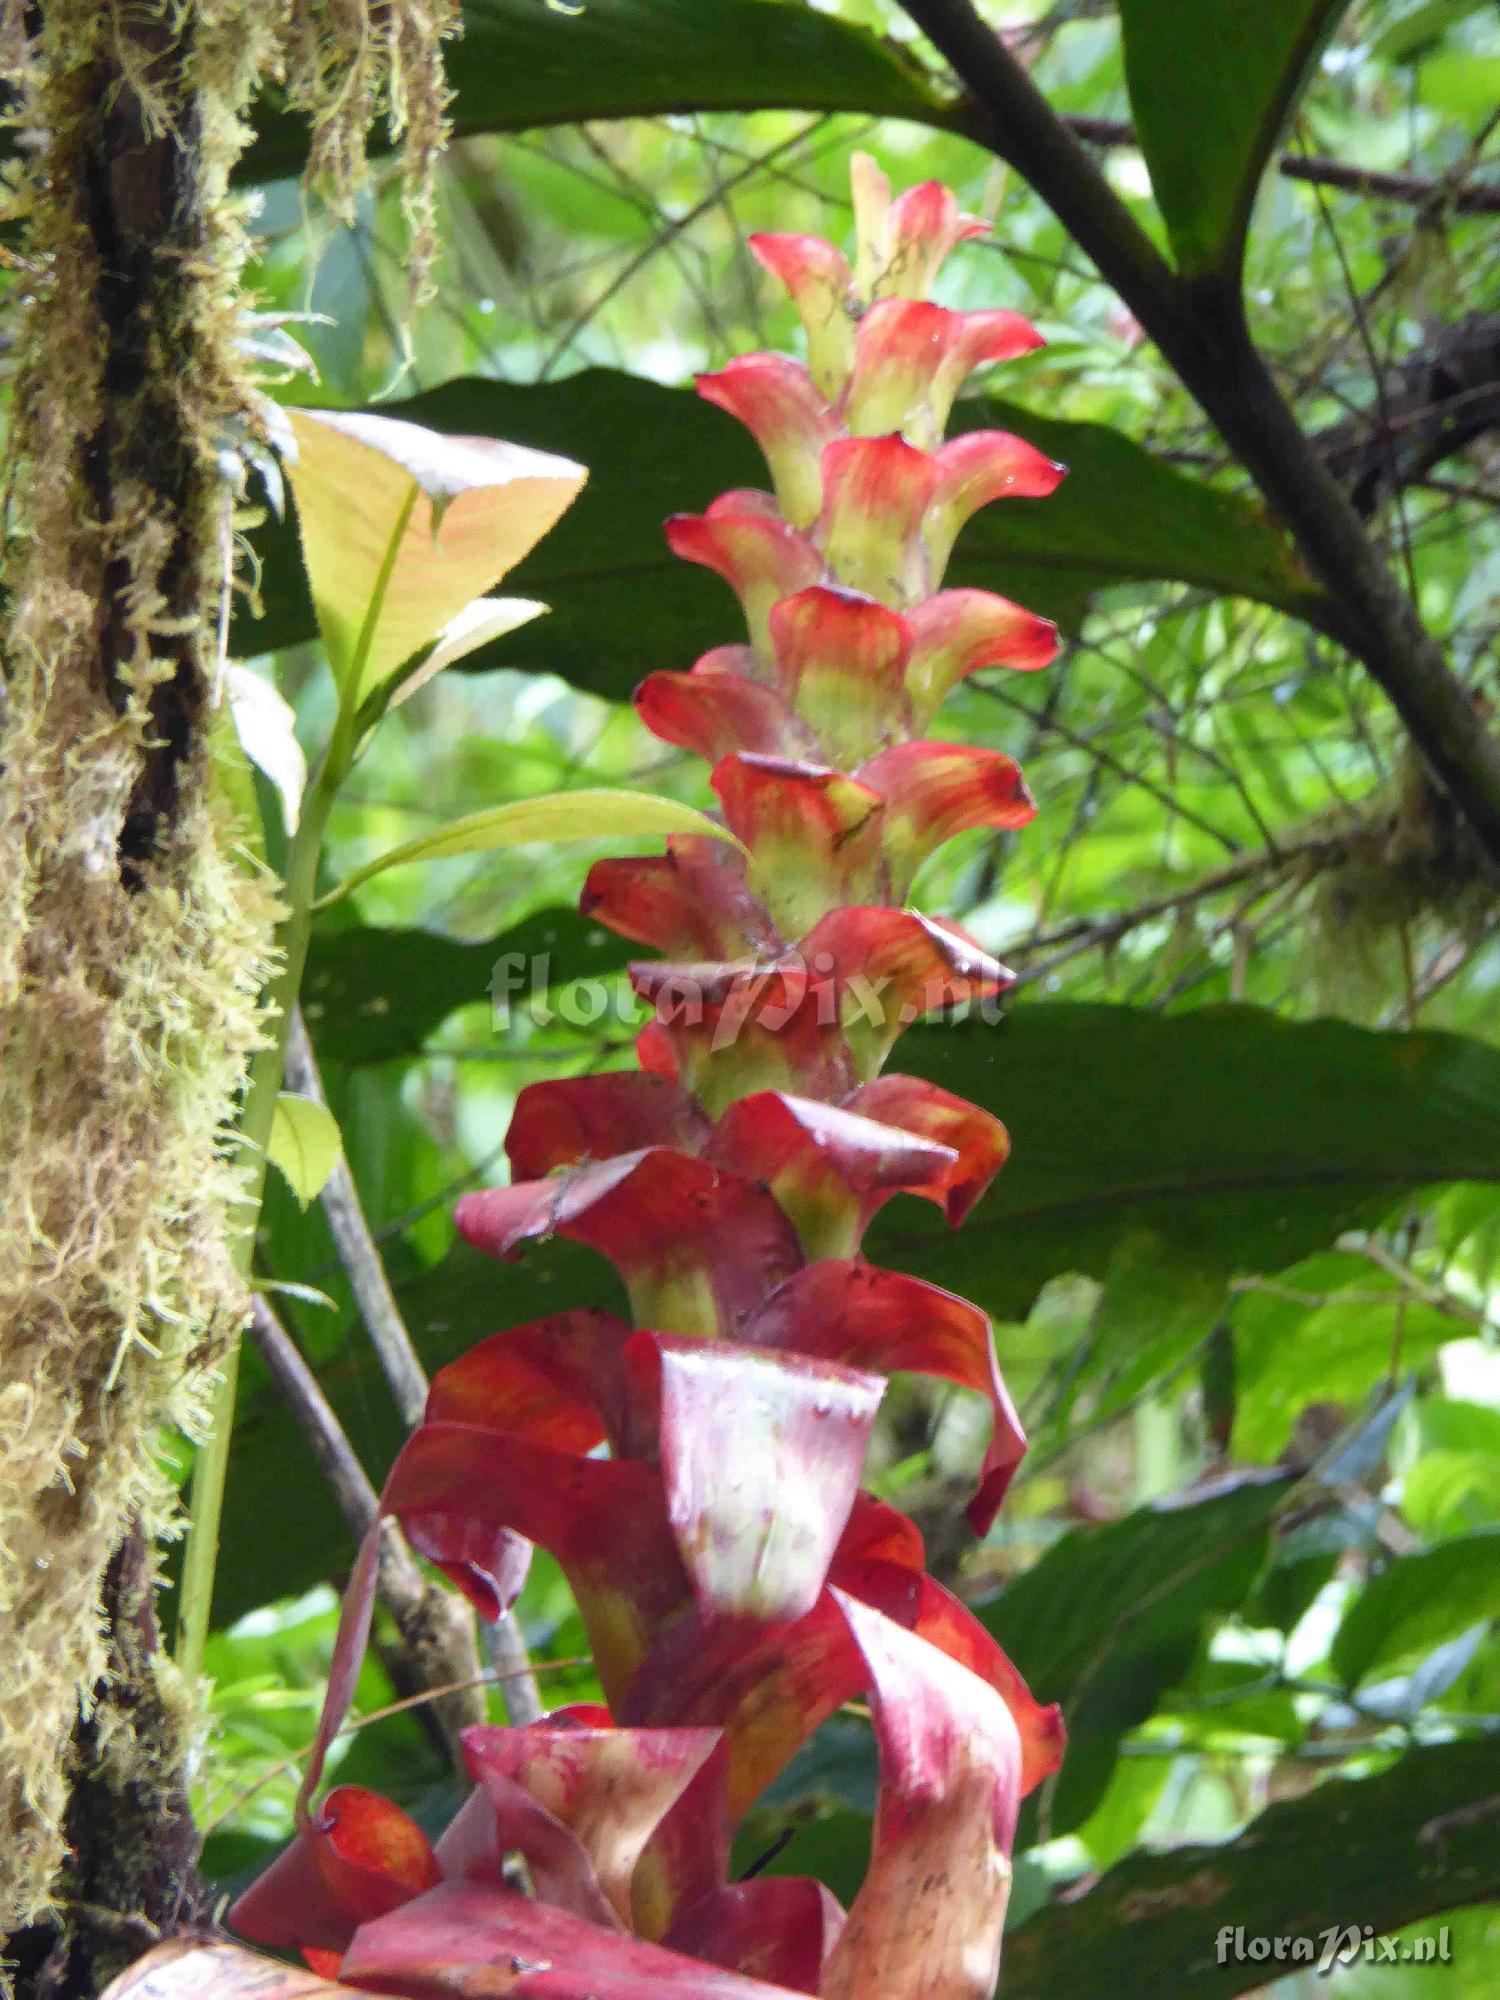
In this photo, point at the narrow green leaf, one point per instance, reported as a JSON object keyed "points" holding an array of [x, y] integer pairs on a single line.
{"points": [[403, 527], [304, 1144], [1211, 89], [586, 814]]}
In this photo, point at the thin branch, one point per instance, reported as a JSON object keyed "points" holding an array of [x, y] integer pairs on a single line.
{"points": [[1467, 198], [662, 241], [326, 1437], [1087, 743], [1083, 934], [394, 1348], [1383, 410], [1430, 408], [436, 1648], [1201, 329], [510, 1664], [222, 1809], [357, 1252]]}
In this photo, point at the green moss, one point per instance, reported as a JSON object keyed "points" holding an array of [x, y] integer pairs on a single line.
{"points": [[134, 946]]}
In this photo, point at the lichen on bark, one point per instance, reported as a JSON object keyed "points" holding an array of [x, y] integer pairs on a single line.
{"points": [[134, 938]]}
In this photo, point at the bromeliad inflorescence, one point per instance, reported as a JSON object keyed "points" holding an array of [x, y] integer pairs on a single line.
{"points": [[696, 1472]]}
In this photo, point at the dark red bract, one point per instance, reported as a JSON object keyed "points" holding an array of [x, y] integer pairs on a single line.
{"points": [[696, 1471]]}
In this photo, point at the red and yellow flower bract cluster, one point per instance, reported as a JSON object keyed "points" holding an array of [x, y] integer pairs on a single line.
{"points": [[696, 1471]]}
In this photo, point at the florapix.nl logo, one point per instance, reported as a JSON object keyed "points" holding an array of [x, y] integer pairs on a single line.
{"points": [[1336, 1945]]}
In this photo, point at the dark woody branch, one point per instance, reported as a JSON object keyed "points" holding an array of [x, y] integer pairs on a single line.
{"points": [[1200, 328], [1433, 406], [1408, 190]]}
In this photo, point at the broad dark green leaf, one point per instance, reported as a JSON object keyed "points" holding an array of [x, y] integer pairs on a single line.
{"points": [[1420, 1838], [622, 605], [520, 64], [1418, 1602], [1289, 1134], [1227, 1136], [372, 994], [1110, 1618], [1120, 515], [1212, 89]]}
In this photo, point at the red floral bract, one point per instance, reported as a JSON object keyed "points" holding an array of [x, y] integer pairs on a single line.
{"points": [[696, 1471]]}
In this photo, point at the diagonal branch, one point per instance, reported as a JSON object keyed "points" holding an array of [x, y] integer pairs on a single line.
{"points": [[394, 1348], [436, 1647], [363, 1267], [1201, 329], [1432, 407], [1410, 190]]}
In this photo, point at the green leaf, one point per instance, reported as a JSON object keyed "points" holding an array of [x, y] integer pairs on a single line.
{"points": [[1326, 1330], [1461, 84], [520, 64], [402, 527], [1412, 34], [1110, 1618], [1419, 1838], [370, 995], [1455, 1484], [1211, 90], [304, 1144], [1122, 515], [1447, 1492], [623, 605], [1158, 1302], [1235, 1139], [1116, 1823], [1289, 1134], [1417, 1602], [587, 814]]}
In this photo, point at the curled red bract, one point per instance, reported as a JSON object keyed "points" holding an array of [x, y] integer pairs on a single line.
{"points": [[695, 1469]]}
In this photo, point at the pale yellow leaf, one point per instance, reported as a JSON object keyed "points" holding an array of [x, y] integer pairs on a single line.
{"points": [[402, 527], [186, 1969], [266, 725], [485, 619]]}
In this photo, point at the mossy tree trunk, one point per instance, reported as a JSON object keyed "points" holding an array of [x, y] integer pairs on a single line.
{"points": [[133, 953], [135, 939]]}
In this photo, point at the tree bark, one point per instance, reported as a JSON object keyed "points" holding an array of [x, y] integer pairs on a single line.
{"points": [[131, 959]]}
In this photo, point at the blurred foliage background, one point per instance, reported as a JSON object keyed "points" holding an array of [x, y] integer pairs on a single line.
{"points": [[1242, 1265]]}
